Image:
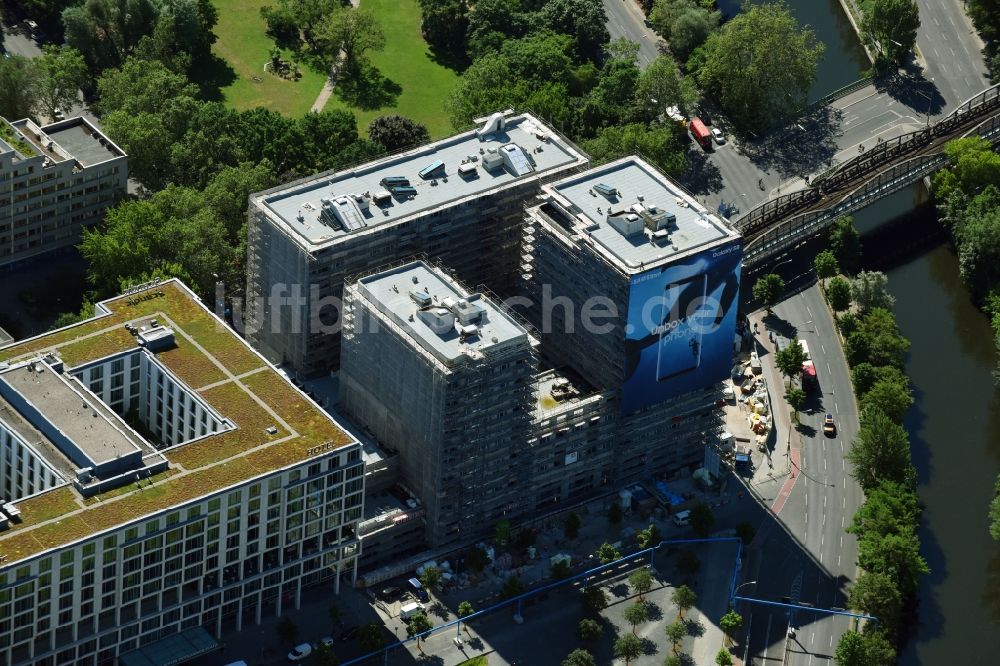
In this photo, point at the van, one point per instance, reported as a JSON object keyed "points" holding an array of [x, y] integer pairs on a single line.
{"points": [[682, 519], [417, 589], [409, 610]]}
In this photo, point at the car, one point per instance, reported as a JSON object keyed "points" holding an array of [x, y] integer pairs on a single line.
{"points": [[829, 428], [57, 114], [391, 593], [300, 652], [349, 633], [327, 641], [719, 137]]}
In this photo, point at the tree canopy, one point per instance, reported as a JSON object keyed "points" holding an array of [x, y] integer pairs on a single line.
{"points": [[880, 452], [889, 27], [868, 648], [769, 289], [760, 65], [845, 243]]}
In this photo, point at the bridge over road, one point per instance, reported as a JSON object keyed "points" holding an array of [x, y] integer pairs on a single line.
{"points": [[775, 226]]}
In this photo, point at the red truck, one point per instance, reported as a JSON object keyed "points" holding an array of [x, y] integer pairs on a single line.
{"points": [[700, 133]]}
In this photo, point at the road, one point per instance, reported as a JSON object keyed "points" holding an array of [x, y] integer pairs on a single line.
{"points": [[951, 50], [625, 19], [806, 556]]}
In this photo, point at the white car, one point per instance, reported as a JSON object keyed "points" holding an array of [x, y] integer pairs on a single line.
{"points": [[719, 137], [300, 652]]}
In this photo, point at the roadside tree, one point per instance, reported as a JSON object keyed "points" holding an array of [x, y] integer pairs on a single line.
{"points": [[477, 559], [676, 631], [589, 630], [673, 660], [464, 610], [845, 243], [796, 398], [688, 563], [661, 85], [790, 359], [571, 526], [594, 599], [869, 290], [838, 294], [649, 537], [370, 638], [683, 597], [768, 290], [418, 624], [864, 649], [61, 73], [890, 397], [730, 623], [880, 452], [512, 586], [18, 87], [636, 614], [877, 594], [890, 28], [579, 657], [615, 514], [628, 647], [323, 655], [702, 519], [825, 265], [641, 581], [431, 578], [897, 555], [723, 658], [761, 65], [559, 570], [608, 553]]}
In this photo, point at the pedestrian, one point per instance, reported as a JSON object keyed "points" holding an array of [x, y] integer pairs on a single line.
{"points": [[861, 148]]}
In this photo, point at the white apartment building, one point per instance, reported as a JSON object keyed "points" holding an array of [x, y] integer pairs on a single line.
{"points": [[54, 180], [161, 484]]}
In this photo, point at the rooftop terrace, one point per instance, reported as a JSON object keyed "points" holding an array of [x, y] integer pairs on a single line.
{"points": [[466, 171], [232, 378], [442, 317], [79, 138], [636, 216]]}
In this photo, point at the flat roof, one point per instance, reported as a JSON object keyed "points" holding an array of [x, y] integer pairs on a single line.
{"points": [[539, 144], [393, 292], [83, 141], [90, 424], [635, 182], [277, 426], [559, 388]]}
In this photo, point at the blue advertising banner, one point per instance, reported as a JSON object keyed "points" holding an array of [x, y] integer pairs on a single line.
{"points": [[680, 326]]}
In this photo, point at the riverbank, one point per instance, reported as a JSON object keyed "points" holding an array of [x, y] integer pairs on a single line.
{"points": [[853, 13]]}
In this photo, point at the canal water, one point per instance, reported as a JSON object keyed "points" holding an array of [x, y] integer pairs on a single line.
{"points": [[954, 427], [844, 59]]}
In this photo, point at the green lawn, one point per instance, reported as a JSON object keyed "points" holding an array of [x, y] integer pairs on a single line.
{"points": [[475, 661], [243, 44], [406, 62]]}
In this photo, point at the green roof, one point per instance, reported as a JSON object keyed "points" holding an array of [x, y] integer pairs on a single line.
{"points": [[215, 362]]}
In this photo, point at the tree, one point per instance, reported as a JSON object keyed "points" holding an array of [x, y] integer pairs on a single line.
{"points": [[796, 398], [845, 243], [370, 638], [838, 294], [579, 657], [594, 598], [723, 658], [352, 32], [571, 526], [583, 20], [397, 132], [995, 512], [660, 144], [890, 28], [877, 594], [864, 376], [502, 532], [641, 581], [661, 85], [464, 610], [761, 65], [636, 614], [869, 290], [628, 647], [730, 622], [323, 655], [559, 569], [825, 265], [287, 630], [690, 30], [430, 578], [61, 73], [673, 660], [334, 613], [676, 631], [896, 555], [649, 537], [702, 519], [688, 563], [615, 514], [18, 87], [477, 559], [512, 586], [880, 452], [589, 630], [768, 290], [857, 347], [683, 597], [608, 553], [790, 359], [444, 24], [418, 624], [890, 397], [864, 649]]}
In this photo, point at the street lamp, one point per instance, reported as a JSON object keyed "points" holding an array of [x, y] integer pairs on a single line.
{"points": [[737, 590]]}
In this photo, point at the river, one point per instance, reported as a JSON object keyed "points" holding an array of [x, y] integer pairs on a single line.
{"points": [[954, 427], [844, 59]]}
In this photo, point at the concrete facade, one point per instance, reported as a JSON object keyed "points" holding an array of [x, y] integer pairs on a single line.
{"points": [[54, 180]]}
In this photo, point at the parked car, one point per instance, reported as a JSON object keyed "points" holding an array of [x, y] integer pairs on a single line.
{"points": [[327, 641], [57, 115], [391, 593], [719, 137], [349, 633], [829, 428], [300, 652]]}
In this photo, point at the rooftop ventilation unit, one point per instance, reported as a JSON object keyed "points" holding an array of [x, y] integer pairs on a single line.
{"points": [[627, 224], [342, 212], [468, 313], [605, 190], [394, 181], [516, 159], [434, 168], [438, 319], [495, 123], [492, 159], [420, 297], [467, 170], [467, 330]]}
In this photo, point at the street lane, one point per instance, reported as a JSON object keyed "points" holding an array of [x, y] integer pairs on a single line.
{"points": [[625, 19], [951, 49]]}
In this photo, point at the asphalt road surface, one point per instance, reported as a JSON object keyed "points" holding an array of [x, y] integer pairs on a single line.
{"points": [[625, 19]]}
